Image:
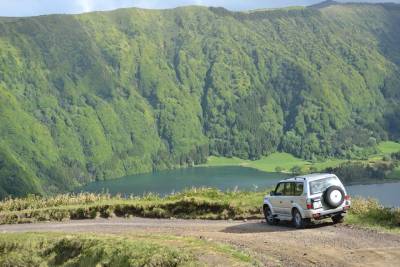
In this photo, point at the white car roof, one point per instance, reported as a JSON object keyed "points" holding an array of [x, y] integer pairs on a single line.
{"points": [[309, 177]]}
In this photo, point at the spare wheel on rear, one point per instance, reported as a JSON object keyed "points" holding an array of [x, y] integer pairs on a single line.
{"points": [[334, 196]]}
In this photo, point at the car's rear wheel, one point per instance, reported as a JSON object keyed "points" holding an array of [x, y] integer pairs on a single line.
{"points": [[298, 221], [338, 219], [269, 217]]}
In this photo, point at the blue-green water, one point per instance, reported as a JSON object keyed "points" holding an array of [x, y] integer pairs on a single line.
{"points": [[166, 182], [224, 178], [388, 194]]}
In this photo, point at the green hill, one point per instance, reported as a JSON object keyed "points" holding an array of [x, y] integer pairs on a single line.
{"points": [[106, 94]]}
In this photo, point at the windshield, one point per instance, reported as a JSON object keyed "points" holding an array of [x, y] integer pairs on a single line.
{"points": [[319, 186]]}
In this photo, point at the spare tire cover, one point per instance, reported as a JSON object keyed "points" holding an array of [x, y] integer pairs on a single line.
{"points": [[334, 196]]}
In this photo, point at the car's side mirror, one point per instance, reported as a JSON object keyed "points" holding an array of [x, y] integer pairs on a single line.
{"points": [[272, 193]]}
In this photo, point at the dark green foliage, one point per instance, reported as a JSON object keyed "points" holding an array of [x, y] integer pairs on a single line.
{"points": [[296, 170], [103, 95], [351, 172], [395, 156]]}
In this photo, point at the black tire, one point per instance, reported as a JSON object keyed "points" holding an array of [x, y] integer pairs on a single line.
{"points": [[269, 218], [334, 196], [298, 221], [338, 218]]}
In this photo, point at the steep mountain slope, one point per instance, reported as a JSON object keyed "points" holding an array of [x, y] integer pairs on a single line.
{"points": [[107, 94]]}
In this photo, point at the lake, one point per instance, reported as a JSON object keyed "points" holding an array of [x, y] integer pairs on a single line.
{"points": [[388, 193], [166, 182], [224, 178]]}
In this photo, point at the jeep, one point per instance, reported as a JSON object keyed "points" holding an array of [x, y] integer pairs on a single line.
{"points": [[305, 198]]}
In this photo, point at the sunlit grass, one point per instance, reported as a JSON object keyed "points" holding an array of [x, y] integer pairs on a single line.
{"points": [[370, 213], [53, 249], [278, 161], [388, 147]]}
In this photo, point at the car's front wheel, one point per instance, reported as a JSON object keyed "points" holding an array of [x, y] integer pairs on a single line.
{"points": [[298, 221], [269, 217]]}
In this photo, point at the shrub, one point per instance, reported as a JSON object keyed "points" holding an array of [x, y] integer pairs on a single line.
{"points": [[278, 169], [369, 211], [105, 211], [83, 213]]}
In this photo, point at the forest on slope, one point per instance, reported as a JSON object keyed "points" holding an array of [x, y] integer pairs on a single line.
{"points": [[107, 94]]}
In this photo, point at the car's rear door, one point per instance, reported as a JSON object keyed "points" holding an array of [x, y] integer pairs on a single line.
{"points": [[299, 197], [287, 199], [276, 200]]}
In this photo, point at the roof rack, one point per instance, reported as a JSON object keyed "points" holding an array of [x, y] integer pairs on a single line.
{"points": [[296, 177]]}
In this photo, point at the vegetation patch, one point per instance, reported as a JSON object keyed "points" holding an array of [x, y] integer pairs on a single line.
{"points": [[205, 203], [85, 250], [369, 212], [357, 171]]}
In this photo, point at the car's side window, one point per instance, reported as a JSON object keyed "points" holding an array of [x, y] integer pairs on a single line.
{"points": [[280, 189], [288, 189], [298, 190]]}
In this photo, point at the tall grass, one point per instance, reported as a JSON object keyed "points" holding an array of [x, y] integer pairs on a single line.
{"points": [[370, 212], [203, 203], [85, 250]]}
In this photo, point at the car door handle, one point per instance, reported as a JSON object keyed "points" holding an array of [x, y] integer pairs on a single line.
{"points": [[280, 201]]}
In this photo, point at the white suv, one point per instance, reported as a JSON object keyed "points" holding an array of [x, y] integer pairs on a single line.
{"points": [[300, 199]]}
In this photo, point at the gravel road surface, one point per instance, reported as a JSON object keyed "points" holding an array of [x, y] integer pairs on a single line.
{"points": [[321, 245]]}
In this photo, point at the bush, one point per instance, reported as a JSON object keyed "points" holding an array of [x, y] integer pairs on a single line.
{"points": [[105, 211], [369, 211], [296, 170], [83, 213], [395, 156]]}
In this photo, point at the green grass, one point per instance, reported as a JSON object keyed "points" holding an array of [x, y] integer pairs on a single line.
{"points": [[394, 174], [388, 147], [370, 213], [57, 249], [285, 161], [203, 245], [278, 160], [30, 249]]}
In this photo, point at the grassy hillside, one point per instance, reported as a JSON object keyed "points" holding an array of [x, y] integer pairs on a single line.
{"points": [[107, 94], [278, 161], [284, 162]]}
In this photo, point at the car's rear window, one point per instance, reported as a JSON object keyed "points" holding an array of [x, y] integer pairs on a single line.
{"points": [[319, 186]]}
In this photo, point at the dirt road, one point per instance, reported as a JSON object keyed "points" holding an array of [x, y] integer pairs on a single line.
{"points": [[320, 245]]}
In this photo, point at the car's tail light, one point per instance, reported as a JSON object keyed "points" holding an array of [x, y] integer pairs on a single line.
{"points": [[309, 204], [347, 197]]}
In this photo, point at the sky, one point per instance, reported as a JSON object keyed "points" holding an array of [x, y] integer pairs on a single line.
{"points": [[16, 8]]}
